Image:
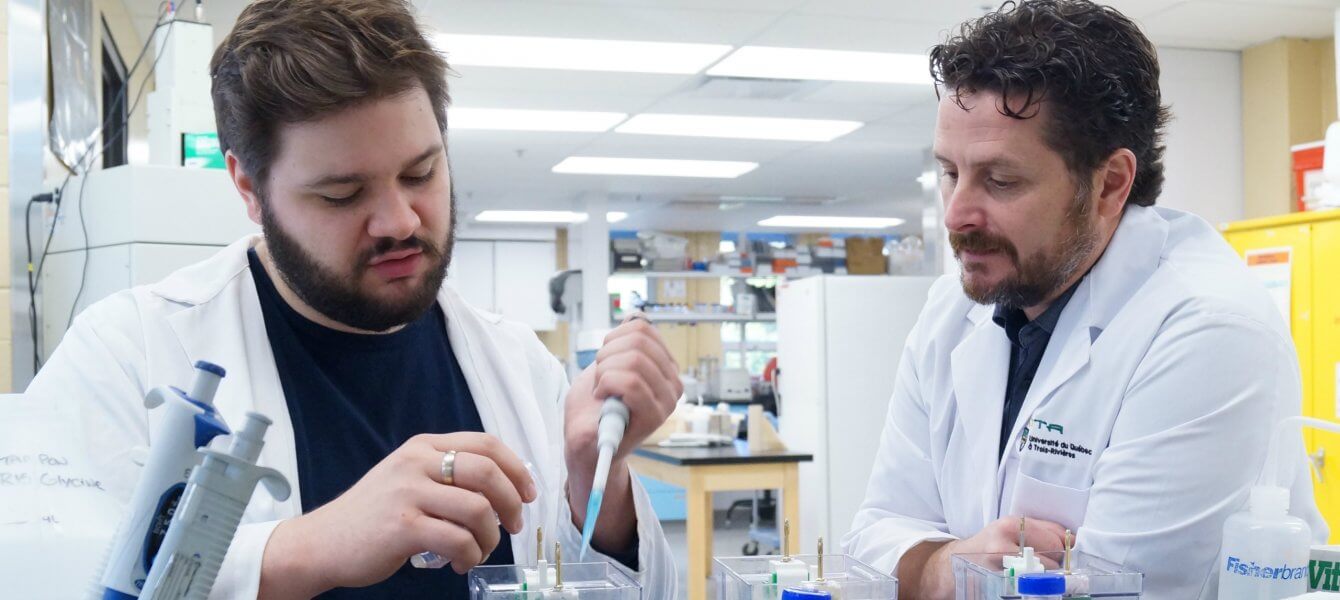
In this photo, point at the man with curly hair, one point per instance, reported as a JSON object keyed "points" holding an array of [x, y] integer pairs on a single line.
{"points": [[1101, 365]]}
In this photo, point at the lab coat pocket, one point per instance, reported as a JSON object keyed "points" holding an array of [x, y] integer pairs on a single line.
{"points": [[1039, 499]]}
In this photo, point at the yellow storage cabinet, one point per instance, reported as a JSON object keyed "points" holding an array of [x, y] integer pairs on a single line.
{"points": [[1313, 243]]}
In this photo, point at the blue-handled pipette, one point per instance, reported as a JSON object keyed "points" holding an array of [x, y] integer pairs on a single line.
{"points": [[613, 421]]}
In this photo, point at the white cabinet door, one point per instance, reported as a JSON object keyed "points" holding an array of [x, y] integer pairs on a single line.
{"points": [[521, 282], [471, 273]]}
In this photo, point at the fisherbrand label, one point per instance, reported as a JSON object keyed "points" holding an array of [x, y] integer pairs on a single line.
{"points": [[1256, 571]]}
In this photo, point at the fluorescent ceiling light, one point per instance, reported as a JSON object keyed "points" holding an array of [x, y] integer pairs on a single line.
{"points": [[599, 165], [824, 65], [561, 217], [505, 119], [812, 222], [752, 128], [578, 54]]}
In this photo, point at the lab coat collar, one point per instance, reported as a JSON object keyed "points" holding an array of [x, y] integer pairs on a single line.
{"points": [[980, 367], [202, 281], [220, 290]]}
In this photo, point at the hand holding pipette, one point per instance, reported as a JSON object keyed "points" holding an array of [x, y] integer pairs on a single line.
{"points": [[615, 404]]}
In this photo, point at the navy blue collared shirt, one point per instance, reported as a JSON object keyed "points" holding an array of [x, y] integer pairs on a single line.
{"points": [[1028, 342]]}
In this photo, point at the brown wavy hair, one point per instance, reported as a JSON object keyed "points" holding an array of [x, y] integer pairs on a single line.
{"points": [[1098, 73], [290, 61]]}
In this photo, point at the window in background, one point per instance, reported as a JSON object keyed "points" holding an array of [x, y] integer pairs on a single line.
{"points": [[758, 347], [759, 344], [115, 132], [629, 291]]}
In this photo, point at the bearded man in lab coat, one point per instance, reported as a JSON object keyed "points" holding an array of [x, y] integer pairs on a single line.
{"points": [[403, 417], [1101, 364]]}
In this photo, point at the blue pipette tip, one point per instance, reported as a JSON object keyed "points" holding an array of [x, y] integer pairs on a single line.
{"points": [[589, 528]]}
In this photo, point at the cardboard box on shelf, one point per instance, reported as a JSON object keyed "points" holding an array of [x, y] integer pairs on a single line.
{"points": [[865, 256]]}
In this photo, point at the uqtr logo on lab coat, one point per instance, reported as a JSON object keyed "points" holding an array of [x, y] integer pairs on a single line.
{"points": [[1046, 445]]}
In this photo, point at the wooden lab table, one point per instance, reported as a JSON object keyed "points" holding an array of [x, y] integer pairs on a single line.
{"points": [[702, 471]]}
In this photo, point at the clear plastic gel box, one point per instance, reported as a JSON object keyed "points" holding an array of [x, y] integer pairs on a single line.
{"points": [[750, 578], [982, 577], [581, 581]]}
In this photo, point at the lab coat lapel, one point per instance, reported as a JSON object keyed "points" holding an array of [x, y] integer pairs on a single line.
{"points": [[1067, 353], [1127, 263], [221, 291], [980, 366]]}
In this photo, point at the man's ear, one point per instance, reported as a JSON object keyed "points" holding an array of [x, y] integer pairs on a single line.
{"points": [[246, 186], [1114, 181]]}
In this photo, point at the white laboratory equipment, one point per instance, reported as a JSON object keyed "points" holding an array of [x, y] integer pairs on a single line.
{"points": [[143, 223], [812, 575], [988, 577], [553, 581], [181, 101], [839, 341]]}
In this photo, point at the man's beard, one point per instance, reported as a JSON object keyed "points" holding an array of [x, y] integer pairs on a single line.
{"points": [[1039, 276], [337, 296]]}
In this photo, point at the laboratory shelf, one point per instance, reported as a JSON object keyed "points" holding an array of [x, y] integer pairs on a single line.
{"points": [[693, 275]]}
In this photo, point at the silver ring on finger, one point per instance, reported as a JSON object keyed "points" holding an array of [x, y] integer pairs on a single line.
{"points": [[448, 468]]}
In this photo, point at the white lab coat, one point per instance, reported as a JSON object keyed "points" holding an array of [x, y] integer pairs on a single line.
{"points": [[1146, 424], [149, 336]]}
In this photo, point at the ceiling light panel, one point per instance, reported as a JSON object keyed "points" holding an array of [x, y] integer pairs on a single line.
{"points": [[504, 119], [768, 62], [754, 128], [654, 167], [578, 54]]}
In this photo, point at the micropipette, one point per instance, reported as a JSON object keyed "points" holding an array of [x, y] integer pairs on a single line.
{"points": [[613, 421]]}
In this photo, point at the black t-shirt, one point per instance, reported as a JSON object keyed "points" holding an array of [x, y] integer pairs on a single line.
{"points": [[355, 398]]}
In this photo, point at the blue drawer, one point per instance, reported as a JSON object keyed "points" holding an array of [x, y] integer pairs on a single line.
{"points": [[667, 500]]}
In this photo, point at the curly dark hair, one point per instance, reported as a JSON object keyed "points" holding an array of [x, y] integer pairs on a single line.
{"points": [[1098, 73]]}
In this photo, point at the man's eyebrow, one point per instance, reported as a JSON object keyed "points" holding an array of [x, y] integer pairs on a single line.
{"points": [[423, 155], [346, 178], [997, 161], [339, 179]]}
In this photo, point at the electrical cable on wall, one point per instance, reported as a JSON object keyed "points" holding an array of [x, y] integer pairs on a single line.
{"points": [[166, 17]]}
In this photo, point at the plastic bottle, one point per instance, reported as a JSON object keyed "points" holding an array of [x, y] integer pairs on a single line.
{"points": [[1265, 552], [1041, 586]]}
